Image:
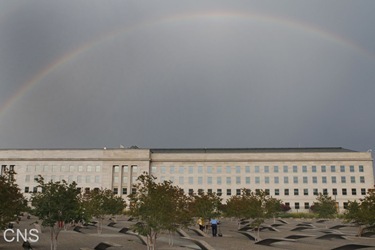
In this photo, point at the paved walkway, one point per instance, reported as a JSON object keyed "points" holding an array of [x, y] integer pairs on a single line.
{"points": [[231, 240]]}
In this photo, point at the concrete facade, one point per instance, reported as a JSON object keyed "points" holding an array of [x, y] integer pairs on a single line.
{"points": [[294, 175]]}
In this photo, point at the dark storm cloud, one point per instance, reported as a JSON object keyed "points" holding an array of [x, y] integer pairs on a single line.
{"points": [[219, 81]]}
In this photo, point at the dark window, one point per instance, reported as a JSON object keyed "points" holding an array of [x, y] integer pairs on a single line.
{"points": [[345, 205], [296, 191], [191, 191], [124, 191], [354, 191], [363, 191], [219, 192], [238, 191], [296, 205], [334, 191], [344, 191], [26, 189], [209, 191], [315, 191], [286, 191], [277, 191], [115, 190], [229, 191], [325, 191], [307, 205]]}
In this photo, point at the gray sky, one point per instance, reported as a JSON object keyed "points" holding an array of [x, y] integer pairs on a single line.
{"points": [[187, 73]]}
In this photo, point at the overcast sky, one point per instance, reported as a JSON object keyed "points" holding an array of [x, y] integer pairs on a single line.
{"points": [[92, 74]]}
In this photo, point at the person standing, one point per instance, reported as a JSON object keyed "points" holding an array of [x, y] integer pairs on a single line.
{"points": [[201, 224], [214, 223]]}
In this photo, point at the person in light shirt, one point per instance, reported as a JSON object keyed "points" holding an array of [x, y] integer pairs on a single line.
{"points": [[214, 223]]}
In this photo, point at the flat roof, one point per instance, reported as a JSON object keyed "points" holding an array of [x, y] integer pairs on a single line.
{"points": [[250, 150]]}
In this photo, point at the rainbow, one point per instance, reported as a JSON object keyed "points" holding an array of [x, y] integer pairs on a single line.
{"points": [[196, 16]]}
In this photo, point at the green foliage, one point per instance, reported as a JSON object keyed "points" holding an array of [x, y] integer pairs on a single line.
{"points": [[205, 205], [362, 213], [58, 202], [12, 202], [324, 207], [158, 207], [297, 215], [99, 203]]}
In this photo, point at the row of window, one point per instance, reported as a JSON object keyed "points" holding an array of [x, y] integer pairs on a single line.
{"points": [[39, 189], [256, 179], [65, 168], [70, 179], [255, 169]]}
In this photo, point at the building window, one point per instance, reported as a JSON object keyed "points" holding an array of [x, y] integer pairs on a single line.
{"points": [[305, 191], [296, 205], [333, 179], [89, 168], [267, 191], [219, 192], [286, 180], [304, 179], [227, 169], [163, 170], [26, 189], [333, 169], [256, 169], [257, 180], [115, 190], [229, 192], [266, 169], [238, 191], [343, 179], [124, 179], [125, 169], [352, 179], [153, 170], [200, 169], [181, 169], [116, 168], [191, 180], [285, 169], [267, 180], [88, 179], [209, 191], [218, 180], [247, 169], [286, 191], [219, 169], [334, 191], [124, 191], [276, 180], [315, 191], [304, 169], [295, 169], [342, 169], [181, 180], [315, 179], [351, 169], [209, 169], [238, 179], [97, 179], [362, 179], [191, 169], [200, 191], [296, 191], [247, 179], [295, 179], [238, 169], [354, 191], [363, 191], [325, 191], [323, 169], [171, 169], [344, 192], [313, 169], [200, 180], [324, 179], [209, 180], [191, 191], [307, 205], [360, 168], [277, 191], [275, 169], [229, 180]]}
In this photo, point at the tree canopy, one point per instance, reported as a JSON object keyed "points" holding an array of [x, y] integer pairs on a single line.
{"points": [[362, 213], [324, 207], [101, 202], [12, 201], [158, 207], [58, 203]]}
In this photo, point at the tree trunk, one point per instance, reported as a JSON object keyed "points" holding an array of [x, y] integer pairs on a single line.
{"points": [[151, 241]]}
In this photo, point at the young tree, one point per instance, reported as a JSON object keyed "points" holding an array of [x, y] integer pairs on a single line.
{"points": [[159, 207], [58, 203], [102, 202], [324, 207], [205, 206], [12, 202], [362, 213], [237, 206]]}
